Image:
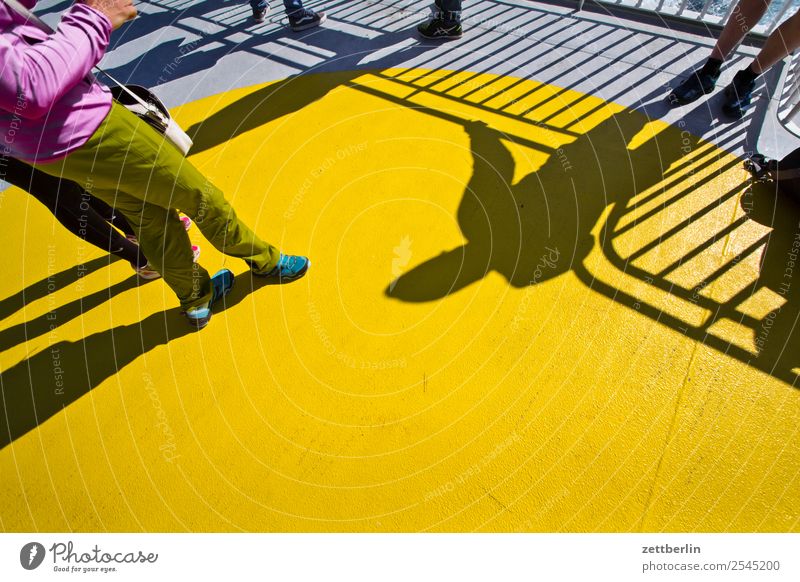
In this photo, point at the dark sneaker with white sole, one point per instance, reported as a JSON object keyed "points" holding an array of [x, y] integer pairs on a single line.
{"points": [[260, 14], [738, 97], [439, 29], [305, 19], [697, 85]]}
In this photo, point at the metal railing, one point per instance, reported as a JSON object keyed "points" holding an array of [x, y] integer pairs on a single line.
{"points": [[716, 13], [709, 12], [789, 100]]}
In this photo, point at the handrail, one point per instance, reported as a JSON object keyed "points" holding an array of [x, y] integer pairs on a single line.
{"points": [[703, 11], [708, 13], [789, 99]]}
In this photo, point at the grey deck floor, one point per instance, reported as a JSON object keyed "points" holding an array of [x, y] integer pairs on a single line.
{"points": [[189, 49]]}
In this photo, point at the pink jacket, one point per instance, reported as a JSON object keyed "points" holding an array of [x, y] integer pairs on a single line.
{"points": [[48, 104]]}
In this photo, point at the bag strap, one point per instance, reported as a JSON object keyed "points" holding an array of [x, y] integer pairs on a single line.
{"points": [[28, 15], [44, 27]]}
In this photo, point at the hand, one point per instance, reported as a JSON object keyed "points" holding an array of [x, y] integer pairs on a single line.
{"points": [[118, 11]]}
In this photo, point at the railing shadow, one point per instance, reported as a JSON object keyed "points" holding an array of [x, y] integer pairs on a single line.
{"points": [[502, 37], [45, 383], [615, 176]]}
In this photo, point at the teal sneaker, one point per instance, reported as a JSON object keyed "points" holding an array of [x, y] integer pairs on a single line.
{"points": [[289, 268], [222, 283]]}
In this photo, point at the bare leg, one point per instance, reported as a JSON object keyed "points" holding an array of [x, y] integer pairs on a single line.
{"points": [[780, 43], [743, 18]]}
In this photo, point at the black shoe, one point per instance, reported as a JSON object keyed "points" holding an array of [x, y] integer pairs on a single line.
{"points": [[305, 19], [440, 29], [260, 14], [697, 85], [738, 98]]}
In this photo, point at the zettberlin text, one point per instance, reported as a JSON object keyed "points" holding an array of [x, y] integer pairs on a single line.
{"points": [[685, 549]]}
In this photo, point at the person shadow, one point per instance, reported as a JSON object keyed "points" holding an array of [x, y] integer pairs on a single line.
{"points": [[43, 287], [775, 333], [45, 383], [540, 227], [274, 101], [283, 98], [48, 322]]}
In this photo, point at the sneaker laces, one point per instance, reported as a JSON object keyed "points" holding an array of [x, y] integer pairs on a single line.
{"points": [[302, 13]]}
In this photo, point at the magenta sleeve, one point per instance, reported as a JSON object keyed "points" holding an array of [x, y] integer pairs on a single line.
{"points": [[38, 75]]}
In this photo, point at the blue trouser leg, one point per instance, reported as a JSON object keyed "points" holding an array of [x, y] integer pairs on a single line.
{"points": [[290, 6], [451, 10]]}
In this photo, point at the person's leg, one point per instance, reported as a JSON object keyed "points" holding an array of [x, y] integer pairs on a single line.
{"points": [[161, 235], [446, 24], [451, 10], [292, 6], [741, 21], [130, 158], [260, 9], [74, 208], [783, 41], [302, 18], [111, 216], [739, 93], [703, 81]]}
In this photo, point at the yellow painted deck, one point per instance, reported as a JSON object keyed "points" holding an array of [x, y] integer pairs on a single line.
{"points": [[528, 310]]}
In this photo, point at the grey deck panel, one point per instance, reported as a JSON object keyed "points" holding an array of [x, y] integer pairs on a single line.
{"points": [[190, 49]]}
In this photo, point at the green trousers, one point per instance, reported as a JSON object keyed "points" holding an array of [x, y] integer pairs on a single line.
{"points": [[130, 166]]}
